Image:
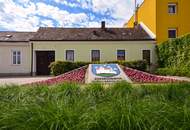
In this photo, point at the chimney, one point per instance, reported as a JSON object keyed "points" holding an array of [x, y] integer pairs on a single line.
{"points": [[103, 25], [136, 14]]}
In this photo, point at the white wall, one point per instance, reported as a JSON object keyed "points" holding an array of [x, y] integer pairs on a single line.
{"points": [[108, 49], [6, 66], [82, 52]]}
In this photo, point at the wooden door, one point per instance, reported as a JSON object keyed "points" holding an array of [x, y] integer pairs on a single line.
{"points": [[146, 56], [43, 60]]}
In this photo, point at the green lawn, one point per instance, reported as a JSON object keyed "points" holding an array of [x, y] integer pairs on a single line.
{"points": [[94, 107]]}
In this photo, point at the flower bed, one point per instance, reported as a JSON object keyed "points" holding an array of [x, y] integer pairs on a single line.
{"points": [[78, 76], [75, 76], [143, 77]]}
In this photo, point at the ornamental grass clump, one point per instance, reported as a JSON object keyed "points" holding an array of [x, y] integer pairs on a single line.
{"points": [[94, 106]]}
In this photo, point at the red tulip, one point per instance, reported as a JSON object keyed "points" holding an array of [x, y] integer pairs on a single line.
{"points": [[77, 76], [143, 77]]}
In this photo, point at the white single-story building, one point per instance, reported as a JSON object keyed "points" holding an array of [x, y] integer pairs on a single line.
{"points": [[30, 53]]}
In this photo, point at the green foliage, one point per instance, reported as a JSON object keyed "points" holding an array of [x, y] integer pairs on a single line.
{"points": [[175, 55], [115, 107], [179, 71], [60, 67], [139, 64], [174, 52]]}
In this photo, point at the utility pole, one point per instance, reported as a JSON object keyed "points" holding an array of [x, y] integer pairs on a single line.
{"points": [[135, 4], [136, 14]]}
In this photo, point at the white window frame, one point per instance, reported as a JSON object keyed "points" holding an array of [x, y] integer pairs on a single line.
{"points": [[73, 55], [172, 4], [12, 55], [172, 29]]}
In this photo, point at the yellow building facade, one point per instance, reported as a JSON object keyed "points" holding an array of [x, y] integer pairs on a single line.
{"points": [[165, 18]]}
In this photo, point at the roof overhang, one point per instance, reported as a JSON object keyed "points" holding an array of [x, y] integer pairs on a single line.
{"points": [[150, 33]]}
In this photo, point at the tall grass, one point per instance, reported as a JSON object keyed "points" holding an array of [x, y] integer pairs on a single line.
{"points": [[118, 107]]}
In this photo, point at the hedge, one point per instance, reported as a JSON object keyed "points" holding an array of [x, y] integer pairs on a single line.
{"points": [[174, 52], [60, 67], [175, 71], [174, 56]]}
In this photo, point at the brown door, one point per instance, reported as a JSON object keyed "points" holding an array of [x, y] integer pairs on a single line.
{"points": [[43, 60], [146, 56]]}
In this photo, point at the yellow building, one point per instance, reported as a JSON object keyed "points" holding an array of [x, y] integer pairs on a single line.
{"points": [[165, 18]]}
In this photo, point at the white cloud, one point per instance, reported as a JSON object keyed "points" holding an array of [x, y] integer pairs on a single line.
{"points": [[71, 4], [94, 24], [12, 8], [48, 23], [27, 15], [17, 17], [21, 24], [61, 16], [121, 10], [26, 1]]}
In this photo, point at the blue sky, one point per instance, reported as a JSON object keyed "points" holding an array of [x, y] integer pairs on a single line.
{"points": [[29, 15]]}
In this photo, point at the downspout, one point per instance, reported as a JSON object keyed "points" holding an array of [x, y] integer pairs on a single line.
{"points": [[32, 56]]}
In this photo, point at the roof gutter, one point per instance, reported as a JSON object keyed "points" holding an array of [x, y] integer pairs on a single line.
{"points": [[150, 39]]}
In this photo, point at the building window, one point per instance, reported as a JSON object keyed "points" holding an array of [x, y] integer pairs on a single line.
{"points": [[95, 54], [16, 57], [70, 55], [146, 56], [120, 54], [172, 33], [172, 8]]}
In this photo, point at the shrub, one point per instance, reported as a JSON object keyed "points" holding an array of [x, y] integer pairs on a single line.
{"points": [[139, 65], [60, 67], [174, 52], [174, 56], [174, 71]]}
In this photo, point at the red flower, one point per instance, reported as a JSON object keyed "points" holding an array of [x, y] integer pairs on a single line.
{"points": [[77, 76], [143, 77]]}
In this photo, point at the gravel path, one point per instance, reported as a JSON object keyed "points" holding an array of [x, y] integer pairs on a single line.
{"points": [[180, 78], [20, 80]]}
